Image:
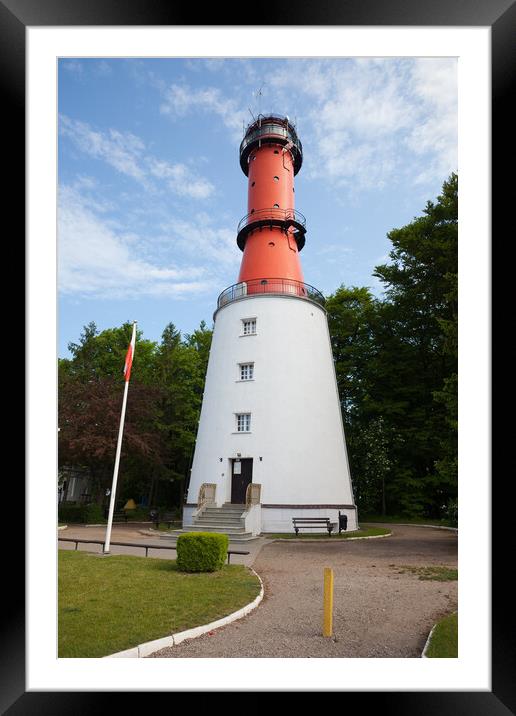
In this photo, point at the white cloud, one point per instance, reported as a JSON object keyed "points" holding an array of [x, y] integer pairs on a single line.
{"points": [[127, 154], [435, 134], [180, 179], [103, 69], [199, 238], [72, 66], [97, 260], [366, 123], [121, 150], [179, 100], [375, 121]]}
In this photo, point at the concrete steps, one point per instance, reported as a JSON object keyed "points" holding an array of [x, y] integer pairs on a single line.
{"points": [[225, 520], [234, 537]]}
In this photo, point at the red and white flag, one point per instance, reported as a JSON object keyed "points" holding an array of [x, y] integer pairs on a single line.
{"points": [[130, 355], [127, 373]]}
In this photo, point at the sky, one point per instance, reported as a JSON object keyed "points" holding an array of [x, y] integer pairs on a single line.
{"points": [[151, 190]]}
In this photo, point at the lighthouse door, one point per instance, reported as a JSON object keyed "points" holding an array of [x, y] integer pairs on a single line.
{"points": [[242, 475]]}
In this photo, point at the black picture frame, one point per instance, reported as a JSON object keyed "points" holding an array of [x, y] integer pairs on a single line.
{"points": [[500, 16]]}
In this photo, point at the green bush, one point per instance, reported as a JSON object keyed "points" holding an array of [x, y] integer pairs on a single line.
{"points": [[201, 551], [80, 514]]}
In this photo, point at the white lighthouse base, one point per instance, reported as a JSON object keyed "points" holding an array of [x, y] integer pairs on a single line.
{"points": [[293, 446], [279, 520]]}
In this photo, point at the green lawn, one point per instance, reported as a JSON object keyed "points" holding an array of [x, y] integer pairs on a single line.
{"points": [[393, 519], [438, 573], [163, 527], [370, 532], [108, 604], [444, 641]]}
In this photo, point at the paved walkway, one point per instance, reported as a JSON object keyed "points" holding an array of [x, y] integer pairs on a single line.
{"points": [[378, 611]]}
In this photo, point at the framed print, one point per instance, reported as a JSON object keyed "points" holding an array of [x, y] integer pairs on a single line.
{"points": [[35, 37]]}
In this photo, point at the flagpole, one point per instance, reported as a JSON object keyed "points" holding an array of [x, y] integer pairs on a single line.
{"points": [[117, 459]]}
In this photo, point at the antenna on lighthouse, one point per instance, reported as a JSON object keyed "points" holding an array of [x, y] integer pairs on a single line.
{"points": [[260, 94]]}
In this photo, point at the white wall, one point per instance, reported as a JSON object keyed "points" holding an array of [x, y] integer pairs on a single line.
{"points": [[296, 425]]}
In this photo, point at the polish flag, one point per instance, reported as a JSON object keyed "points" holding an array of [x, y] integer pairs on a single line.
{"points": [[130, 355]]}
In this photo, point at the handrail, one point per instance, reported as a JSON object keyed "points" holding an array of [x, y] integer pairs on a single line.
{"points": [[276, 286], [271, 129], [146, 547], [269, 115], [206, 494], [287, 215], [253, 494]]}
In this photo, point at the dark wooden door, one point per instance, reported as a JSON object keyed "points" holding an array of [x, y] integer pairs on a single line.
{"points": [[242, 475]]}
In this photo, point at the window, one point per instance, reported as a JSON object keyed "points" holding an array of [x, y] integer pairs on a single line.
{"points": [[243, 422], [249, 325], [246, 371]]}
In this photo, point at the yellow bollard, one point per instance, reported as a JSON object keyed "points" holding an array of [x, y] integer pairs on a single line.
{"points": [[328, 602]]}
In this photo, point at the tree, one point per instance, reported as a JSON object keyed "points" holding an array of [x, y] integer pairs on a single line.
{"points": [[421, 286], [89, 418], [103, 353], [180, 371], [396, 367]]}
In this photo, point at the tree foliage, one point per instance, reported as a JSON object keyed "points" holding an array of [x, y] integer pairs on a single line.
{"points": [[396, 366], [163, 406]]}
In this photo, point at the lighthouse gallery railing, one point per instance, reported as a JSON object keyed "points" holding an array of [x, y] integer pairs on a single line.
{"points": [[282, 286]]}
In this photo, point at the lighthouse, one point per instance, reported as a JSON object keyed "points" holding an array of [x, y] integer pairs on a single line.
{"points": [[270, 443]]}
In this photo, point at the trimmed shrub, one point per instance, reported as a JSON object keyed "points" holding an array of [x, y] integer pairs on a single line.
{"points": [[201, 551], [81, 514]]}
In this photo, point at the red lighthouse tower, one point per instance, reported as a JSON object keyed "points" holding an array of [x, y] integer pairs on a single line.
{"points": [[272, 233]]}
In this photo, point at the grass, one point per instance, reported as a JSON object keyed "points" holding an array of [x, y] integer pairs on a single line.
{"points": [[444, 641], [438, 573], [370, 532], [400, 519], [163, 526], [108, 604]]}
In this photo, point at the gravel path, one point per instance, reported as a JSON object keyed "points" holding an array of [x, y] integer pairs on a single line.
{"points": [[378, 612]]}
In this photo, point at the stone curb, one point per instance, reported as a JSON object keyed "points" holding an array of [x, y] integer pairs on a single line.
{"points": [[423, 655], [427, 644], [328, 539], [434, 527], [150, 647], [409, 524]]}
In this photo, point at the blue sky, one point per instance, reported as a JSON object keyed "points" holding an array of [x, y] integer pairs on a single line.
{"points": [[151, 192]]}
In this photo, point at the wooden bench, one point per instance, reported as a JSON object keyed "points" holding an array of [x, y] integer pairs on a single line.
{"points": [[311, 522]]}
